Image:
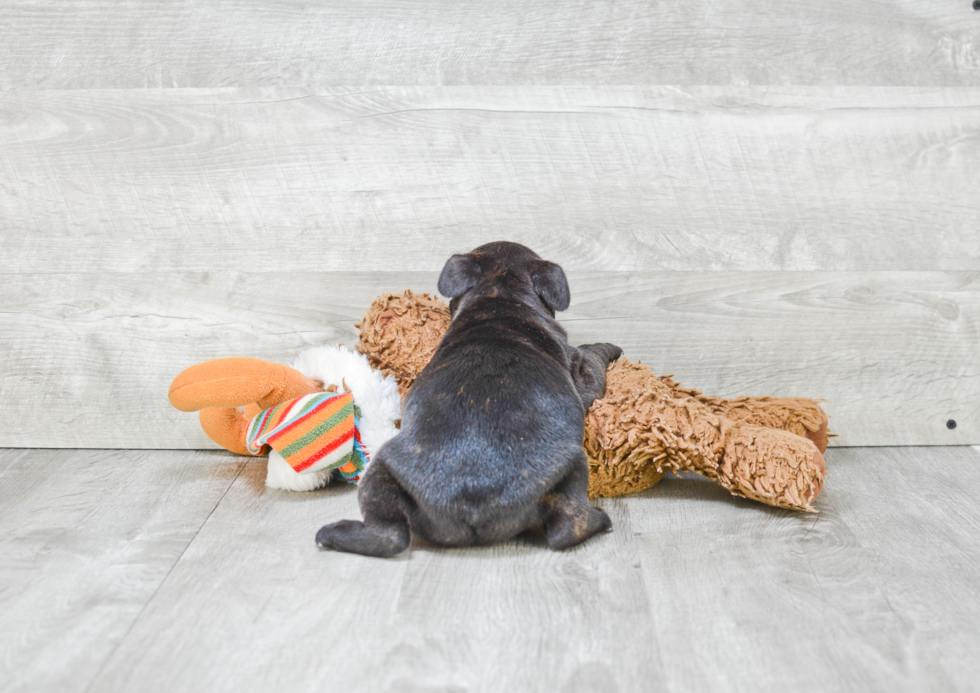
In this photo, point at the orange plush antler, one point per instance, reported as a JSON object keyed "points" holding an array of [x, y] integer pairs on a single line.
{"points": [[217, 388]]}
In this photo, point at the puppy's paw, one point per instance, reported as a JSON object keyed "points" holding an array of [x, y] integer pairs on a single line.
{"points": [[613, 352], [602, 519], [376, 539], [573, 525], [604, 350], [337, 534]]}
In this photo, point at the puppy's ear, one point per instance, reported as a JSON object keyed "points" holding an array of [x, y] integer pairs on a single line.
{"points": [[460, 274], [550, 284]]}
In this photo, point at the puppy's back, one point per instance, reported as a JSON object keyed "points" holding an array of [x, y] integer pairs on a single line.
{"points": [[489, 416]]}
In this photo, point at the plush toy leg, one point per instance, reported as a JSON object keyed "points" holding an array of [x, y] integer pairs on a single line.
{"points": [[645, 425], [797, 415], [236, 382], [775, 467], [227, 426]]}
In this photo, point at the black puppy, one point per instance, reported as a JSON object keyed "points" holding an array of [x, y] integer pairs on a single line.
{"points": [[491, 436]]}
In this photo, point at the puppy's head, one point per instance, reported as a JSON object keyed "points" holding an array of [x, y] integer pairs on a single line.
{"points": [[504, 270]]}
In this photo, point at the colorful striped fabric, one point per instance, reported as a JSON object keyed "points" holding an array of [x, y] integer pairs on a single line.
{"points": [[312, 433]]}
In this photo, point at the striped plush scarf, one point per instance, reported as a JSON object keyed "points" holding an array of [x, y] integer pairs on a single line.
{"points": [[312, 433]]}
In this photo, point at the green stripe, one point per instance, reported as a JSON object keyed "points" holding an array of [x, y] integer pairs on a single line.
{"points": [[314, 402], [324, 427], [280, 408]]}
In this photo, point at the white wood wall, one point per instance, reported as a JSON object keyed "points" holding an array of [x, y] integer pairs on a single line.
{"points": [[761, 198]]}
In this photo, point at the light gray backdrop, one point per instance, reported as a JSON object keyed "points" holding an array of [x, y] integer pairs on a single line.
{"points": [[785, 206]]}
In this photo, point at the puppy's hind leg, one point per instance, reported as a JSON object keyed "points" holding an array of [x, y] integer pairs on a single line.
{"points": [[385, 531], [569, 517]]}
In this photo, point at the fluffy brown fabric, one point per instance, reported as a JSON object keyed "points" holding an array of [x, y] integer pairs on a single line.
{"points": [[763, 448], [645, 425], [400, 333], [798, 415]]}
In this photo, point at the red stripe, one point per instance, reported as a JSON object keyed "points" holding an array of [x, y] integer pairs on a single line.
{"points": [[321, 405], [357, 437], [323, 452], [295, 422]]}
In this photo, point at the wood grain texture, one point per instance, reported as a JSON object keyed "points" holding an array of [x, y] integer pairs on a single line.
{"points": [[254, 606], [221, 43], [86, 539], [693, 589], [86, 360], [704, 178], [893, 353], [876, 593], [930, 569]]}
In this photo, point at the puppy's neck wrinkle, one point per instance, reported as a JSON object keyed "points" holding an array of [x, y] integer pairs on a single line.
{"points": [[506, 320]]}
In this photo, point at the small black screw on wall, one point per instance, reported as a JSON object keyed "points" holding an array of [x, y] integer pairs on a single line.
{"points": [[952, 424], [976, 5]]}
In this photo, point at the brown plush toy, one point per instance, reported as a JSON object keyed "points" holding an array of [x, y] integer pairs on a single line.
{"points": [[763, 448]]}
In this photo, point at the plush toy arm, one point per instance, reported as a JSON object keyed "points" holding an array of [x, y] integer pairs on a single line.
{"points": [[236, 382]]}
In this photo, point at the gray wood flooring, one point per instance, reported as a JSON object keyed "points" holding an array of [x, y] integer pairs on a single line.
{"points": [[178, 570]]}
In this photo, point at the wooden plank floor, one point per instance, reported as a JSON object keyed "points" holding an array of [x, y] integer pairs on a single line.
{"points": [[178, 570]]}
